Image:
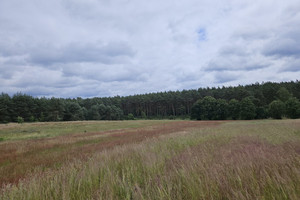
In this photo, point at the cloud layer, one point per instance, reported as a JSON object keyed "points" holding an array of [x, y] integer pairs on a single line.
{"points": [[93, 48]]}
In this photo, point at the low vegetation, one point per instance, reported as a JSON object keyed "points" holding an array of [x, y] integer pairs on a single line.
{"points": [[169, 160]]}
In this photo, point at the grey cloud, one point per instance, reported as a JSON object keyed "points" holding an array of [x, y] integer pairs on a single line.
{"points": [[72, 53], [48, 54], [7, 72], [73, 91], [291, 66], [84, 48], [233, 50], [101, 72], [13, 61], [252, 35], [286, 41], [233, 64], [187, 77], [236, 57], [284, 47], [10, 48], [221, 77], [40, 91]]}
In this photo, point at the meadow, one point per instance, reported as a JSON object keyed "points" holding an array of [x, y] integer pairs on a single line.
{"points": [[149, 159]]}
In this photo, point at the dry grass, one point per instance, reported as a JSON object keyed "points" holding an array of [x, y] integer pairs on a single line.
{"points": [[180, 160], [14, 131], [20, 157]]}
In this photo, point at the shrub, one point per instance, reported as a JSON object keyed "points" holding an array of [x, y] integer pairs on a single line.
{"points": [[292, 108], [247, 109], [20, 120], [32, 119], [130, 116], [143, 115], [172, 117], [276, 109]]}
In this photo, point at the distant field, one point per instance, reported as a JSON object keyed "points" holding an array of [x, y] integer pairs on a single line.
{"points": [[14, 131], [151, 160]]}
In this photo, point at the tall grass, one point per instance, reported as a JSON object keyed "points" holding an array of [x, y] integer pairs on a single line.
{"points": [[18, 157], [39, 130], [239, 160]]}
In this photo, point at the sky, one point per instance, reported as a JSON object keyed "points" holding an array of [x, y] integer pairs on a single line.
{"points": [[89, 48]]}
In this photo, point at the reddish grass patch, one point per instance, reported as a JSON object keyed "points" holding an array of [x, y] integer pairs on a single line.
{"points": [[243, 168], [19, 158]]}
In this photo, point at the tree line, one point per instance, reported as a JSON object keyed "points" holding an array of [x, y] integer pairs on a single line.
{"points": [[255, 101]]}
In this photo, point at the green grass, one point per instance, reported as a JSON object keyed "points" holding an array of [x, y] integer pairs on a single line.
{"points": [[27, 131], [236, 160]]}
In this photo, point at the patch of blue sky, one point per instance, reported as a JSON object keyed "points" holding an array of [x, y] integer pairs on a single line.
{"points": [[201, 34]]}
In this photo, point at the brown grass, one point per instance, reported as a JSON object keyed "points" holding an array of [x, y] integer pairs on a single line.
{"points": [[242, 168], [19, 158], [241, 160]]}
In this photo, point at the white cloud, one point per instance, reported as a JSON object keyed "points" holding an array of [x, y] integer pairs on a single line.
{"points": [[105, 48]]}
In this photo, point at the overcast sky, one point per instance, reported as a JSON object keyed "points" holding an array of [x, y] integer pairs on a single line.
{"points": [[87, 48]]}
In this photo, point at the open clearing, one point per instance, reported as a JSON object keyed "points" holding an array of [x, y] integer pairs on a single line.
{"points": [[151, 160]]}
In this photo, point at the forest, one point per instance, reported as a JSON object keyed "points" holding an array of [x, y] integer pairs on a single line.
{"points": [[254, 101]]}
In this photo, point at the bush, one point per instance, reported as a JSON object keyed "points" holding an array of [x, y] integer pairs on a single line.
{"points": [[247, 109], [261, 112], [204, 109], [143, 115], [20, 120], [234, 109], [292, 108], [172, 117], [276, 109], [130, 116], [32, 119]]}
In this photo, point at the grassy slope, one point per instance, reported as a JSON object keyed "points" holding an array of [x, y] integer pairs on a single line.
{"points": [[235, 160]]}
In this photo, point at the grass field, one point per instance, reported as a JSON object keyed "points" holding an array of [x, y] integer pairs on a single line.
{"points": [[151, 160]]}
